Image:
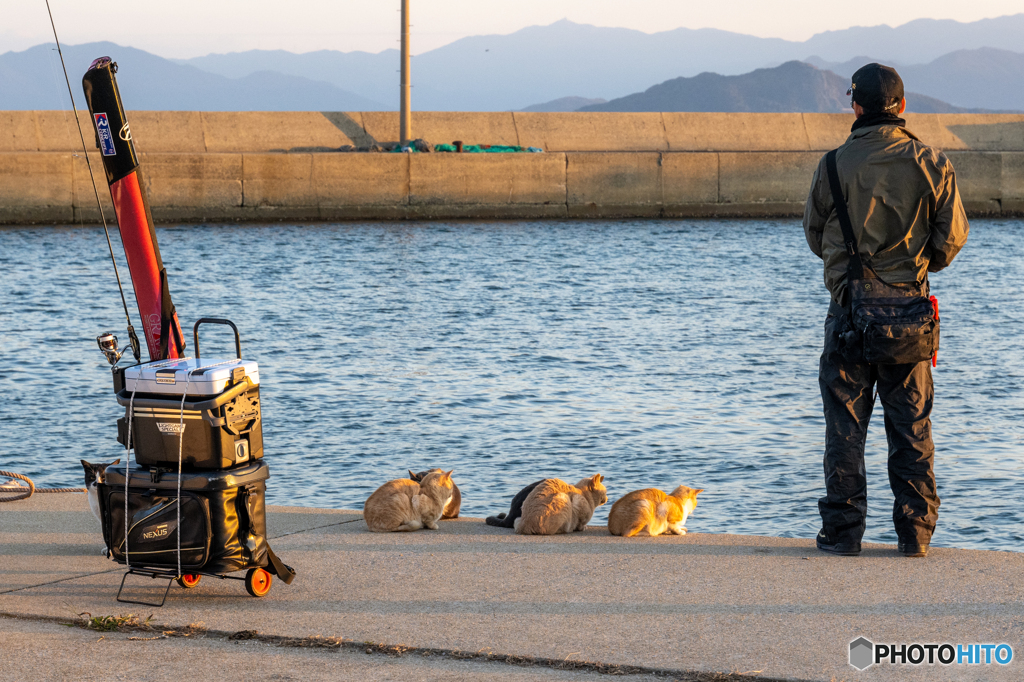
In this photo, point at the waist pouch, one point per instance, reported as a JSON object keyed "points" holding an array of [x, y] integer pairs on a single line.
{"points": [[888, 324], [896, 323]]}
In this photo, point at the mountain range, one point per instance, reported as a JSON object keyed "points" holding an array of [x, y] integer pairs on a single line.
{"points": [[984, 77], [33, 80], [971, 65], [793, 86]]}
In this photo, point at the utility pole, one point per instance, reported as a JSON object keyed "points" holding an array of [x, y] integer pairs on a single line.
{"points": [[405, 115]]}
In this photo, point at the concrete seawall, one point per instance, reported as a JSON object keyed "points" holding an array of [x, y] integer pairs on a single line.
{"points": [[236, 166]]}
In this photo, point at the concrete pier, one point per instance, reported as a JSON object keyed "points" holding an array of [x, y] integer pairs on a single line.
{"points": [[258, 166], [473, 602]]}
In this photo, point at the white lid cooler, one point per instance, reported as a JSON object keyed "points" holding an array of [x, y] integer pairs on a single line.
{"points": [[217, 426]]}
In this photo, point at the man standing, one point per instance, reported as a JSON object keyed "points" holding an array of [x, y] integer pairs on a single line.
{"points": [[907, 220]]}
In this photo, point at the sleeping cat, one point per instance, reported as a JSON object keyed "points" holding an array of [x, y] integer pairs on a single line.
{"points": [[554, 506], [652, 511], [451, 510], [405, 505], [94, 475], [515, 510]]}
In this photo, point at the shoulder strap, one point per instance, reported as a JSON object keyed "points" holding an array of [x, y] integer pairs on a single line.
{"points": [[855, 269]]}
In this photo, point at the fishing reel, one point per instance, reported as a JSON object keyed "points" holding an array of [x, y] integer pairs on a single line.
{"points": [[107, 341]]}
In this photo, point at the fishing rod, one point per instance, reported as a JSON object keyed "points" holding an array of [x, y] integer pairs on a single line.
{"points": [[104, 340]]}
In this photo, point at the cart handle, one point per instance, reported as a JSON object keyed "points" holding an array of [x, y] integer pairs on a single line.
{"points": [[216, 320]]}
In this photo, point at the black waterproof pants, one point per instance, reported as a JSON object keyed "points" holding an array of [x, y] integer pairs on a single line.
{"points": [[847, 394]]}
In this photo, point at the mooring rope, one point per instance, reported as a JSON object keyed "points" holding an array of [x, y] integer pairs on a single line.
{"points": [[9, 492]]}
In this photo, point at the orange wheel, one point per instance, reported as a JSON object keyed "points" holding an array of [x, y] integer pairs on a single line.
{"points": [[189, 580], [257, 582]]}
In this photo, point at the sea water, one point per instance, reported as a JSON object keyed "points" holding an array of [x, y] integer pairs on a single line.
{"points": [[655, 352]]}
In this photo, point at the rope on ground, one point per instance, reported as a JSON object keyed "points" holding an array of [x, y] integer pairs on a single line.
{"points": [[11, 491]]}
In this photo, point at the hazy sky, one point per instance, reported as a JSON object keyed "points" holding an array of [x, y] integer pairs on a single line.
{"points": [[188, 28]]}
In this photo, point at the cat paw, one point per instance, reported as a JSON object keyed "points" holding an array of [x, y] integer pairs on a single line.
{"points": [[105, 552], [431, 525]]}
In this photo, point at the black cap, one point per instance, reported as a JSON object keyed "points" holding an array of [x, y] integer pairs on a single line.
{"points": [[877, 88]]}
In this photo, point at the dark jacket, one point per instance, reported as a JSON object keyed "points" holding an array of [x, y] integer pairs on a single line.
{"points": [[903, 202]]}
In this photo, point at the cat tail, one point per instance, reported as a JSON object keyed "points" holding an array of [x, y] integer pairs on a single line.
{"points": [[500, 521]]}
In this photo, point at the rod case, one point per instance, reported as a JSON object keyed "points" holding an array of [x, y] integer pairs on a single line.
{"points": [[223, 519], [134, 220]]}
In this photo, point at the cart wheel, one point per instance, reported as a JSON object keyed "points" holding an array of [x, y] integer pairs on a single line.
{"points": [[257, 582], [189, 580]]}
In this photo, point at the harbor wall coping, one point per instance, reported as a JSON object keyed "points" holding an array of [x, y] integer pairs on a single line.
{"points": [[258, 131]]}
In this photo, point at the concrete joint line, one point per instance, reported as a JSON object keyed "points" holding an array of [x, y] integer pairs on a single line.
{"points": [[306, 530], [408, 179], [807, 135], [718, 175], [661, 175], [62, 580], [119, 568], [202, 120], [312, 187], [485, 655], [565, 180], [515, 127]]}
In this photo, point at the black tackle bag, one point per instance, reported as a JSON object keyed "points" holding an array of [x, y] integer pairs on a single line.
{"points": [[223, 525]]}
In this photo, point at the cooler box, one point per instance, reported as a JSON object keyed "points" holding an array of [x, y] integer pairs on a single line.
{"points": [[223, 518], [220, 415]]}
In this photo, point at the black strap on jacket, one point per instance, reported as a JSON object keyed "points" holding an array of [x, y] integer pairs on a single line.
{"points": [[855, 268]]}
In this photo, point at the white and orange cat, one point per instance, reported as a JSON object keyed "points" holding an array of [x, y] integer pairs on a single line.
{"points": [[407, 505], [555, 507], [652, 512]]}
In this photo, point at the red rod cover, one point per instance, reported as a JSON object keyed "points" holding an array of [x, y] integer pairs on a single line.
{"points": [[143, 256], [164, 339]]}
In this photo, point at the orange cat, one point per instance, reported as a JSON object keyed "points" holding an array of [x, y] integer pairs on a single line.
{"points": [[405, 505], [451, 510], [554, 506], [653, 511]]}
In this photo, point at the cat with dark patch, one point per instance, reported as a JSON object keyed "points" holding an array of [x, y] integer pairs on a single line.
{"points": [[451, 510], [94, 475], [508, 520]]}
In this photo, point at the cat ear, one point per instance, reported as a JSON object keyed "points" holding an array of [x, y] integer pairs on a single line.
{"points": [[85, 465], [412, 475], [598, 478], [698, 490], [116, 461], [449, 474]]}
